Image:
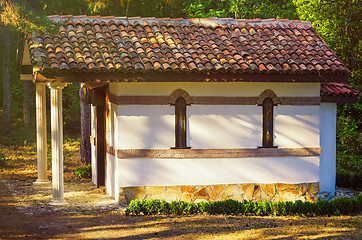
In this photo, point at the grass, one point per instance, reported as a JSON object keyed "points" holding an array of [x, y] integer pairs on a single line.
{"points": [[21, 163]]}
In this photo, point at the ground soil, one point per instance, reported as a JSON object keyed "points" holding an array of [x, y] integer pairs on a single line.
{"points": [[92, 214]]}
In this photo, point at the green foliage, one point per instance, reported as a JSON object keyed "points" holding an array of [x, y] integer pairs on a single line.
{"points": [[84, 172], [132, 8], [349, 130], [232, 207], [349, 179], [24, 16], [240, 9], [71, 109], [339, 24]]}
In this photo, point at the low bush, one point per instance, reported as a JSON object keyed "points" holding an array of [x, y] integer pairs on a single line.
{"points": [[348, 179], [231, 207], [84, 172]]}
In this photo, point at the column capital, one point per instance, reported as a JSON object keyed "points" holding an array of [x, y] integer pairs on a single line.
{"points": [[56, 85]]}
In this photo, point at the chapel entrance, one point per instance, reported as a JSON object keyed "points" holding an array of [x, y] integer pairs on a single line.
{"points": [[98, 97]]}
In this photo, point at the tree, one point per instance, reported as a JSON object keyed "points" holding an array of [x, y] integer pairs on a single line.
{"points": [[15, 16], [6, 113], [143, 8], [240, 9], [339, 23], [85, 129]]}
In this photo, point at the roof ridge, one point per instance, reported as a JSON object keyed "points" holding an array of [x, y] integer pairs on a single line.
{"points": [[207, 21]]}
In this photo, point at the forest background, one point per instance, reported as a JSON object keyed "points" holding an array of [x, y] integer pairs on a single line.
{"points": [[337, 21]]}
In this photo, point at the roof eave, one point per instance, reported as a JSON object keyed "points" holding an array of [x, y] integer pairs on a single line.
{"points": [[185, 77]]}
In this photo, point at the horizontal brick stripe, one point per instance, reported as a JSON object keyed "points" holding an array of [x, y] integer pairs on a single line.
{"points": [[213, 153], [164, 100]]}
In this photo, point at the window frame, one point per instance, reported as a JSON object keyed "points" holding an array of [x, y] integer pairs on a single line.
{"points": [[181, 123], [268, 123]]}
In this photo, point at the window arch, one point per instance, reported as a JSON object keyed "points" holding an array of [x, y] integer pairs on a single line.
{"points": [[180, 123], [268, 99]]}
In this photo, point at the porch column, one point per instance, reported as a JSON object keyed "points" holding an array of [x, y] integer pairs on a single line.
{"points": [[41, 134], [57, 142]]}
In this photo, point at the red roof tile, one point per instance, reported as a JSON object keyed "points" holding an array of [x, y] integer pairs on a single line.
{"points": [[338, 92], [140, 45]]}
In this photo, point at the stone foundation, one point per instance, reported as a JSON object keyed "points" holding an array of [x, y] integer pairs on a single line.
{"points": [[248, 191]]}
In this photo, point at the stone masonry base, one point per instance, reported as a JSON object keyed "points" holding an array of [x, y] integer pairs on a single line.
{"points": [[274, 192]]}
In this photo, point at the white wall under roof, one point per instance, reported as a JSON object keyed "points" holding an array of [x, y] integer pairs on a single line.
{"points": [[296, 126], [222, 126], [209, 126]]}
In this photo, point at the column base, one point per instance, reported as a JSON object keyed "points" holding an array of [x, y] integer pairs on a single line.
{"points": [[41, 181], [58, 203]]}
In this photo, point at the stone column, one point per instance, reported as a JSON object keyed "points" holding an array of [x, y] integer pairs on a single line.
{"points": [[41, 134], [57, 142]]}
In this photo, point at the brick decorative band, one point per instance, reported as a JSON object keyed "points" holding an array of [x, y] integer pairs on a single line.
{"points": [[271, 192], [212, 153], [205, 100]]}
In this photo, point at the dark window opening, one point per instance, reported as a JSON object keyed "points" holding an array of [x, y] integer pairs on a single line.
{"points": [[180, 123], [268, 131]]}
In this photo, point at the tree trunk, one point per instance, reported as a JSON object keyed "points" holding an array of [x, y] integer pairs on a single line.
{"points": [[26, 105], [27, 84], [85, 130], [6, 80]]}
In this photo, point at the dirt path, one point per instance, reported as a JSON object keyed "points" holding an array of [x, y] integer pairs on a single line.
{"points": [[19, 222]]}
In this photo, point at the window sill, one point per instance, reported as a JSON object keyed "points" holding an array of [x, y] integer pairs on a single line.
{"points": [[180, 148], [268, 147]]}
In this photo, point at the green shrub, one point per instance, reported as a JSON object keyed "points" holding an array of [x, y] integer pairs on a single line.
{"points": [[178, 207], [204, 207], [84, 172], [191, 208], [232, 207]]}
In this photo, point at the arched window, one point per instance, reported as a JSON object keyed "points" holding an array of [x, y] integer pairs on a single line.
{"points": [[180, 123], [268, 130]]}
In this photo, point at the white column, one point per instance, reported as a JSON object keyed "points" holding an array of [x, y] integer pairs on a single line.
{"points": [[327, 166], [41, 134], [57, 142]]}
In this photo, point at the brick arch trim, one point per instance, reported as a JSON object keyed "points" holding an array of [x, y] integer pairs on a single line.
{"points": [[268, 94], [180, 93]]}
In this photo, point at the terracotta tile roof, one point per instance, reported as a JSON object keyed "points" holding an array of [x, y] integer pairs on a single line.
{"points": [[148, 45], [338, 92]]}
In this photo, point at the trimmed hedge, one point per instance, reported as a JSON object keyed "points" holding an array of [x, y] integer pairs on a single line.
{"points": [[231, 207]]}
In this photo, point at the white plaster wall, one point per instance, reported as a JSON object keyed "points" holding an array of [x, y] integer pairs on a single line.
{"points": [[224, 126], [215, 89], [111, 127], [152, 127], [296, 126], [144, 127], [327, 171], [112, 176], [167, 172], [93, 148]]}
